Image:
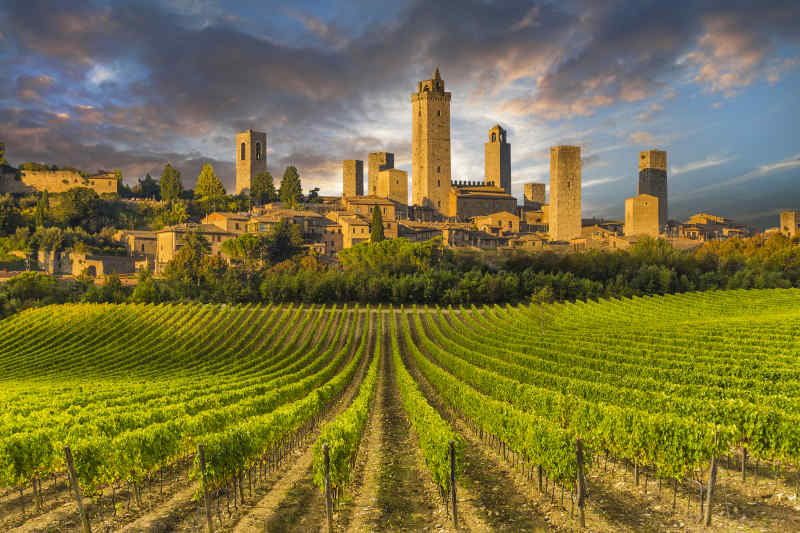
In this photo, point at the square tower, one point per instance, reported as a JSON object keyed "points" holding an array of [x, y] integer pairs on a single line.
{"points": [[653, 180], [498, 159], [790, 223], [377, 162], [393, 184], [565, 193], [641, 216], [430, 144], [352, 177], [251, 158], [534, 195]]}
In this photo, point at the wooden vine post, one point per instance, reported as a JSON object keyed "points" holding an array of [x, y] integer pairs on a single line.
{"points": [[453, 480], [712, 477], [328, 503], [76, 491], [206, 500], [581, 484]]}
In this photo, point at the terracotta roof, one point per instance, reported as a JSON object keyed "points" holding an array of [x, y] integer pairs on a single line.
{"points": [[187, 227]]}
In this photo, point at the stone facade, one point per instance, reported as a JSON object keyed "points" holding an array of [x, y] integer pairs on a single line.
{"points": [[230, 222], [250, 157], [641, 216], [393, 184], [653, 180], [430, 144], [497, 159], [376, 163], [498, 223], [352, 177], [535, 195], [468, 202], [364, 205], [565, 193], [170, 239], [790, 223], [54, 181]]}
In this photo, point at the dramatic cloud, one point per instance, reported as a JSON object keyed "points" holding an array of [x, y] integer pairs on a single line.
{"points": [[697, 165], [761, 171]]}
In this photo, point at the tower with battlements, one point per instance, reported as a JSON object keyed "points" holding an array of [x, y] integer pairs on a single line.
{"points": [[430, 145], [653, 180], [251, 158], [497, 159]]}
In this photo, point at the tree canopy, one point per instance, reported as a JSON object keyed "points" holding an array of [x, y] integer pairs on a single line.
{"points": [[208, 184], [171, 187], [291, 192], [262, 189], [2, 153]]}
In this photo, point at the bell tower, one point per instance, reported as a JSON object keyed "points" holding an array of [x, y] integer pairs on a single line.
{"points": [[430, 145], [251, 158]]}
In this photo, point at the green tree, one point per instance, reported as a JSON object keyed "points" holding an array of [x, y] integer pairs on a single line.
{"points": [[148, 188], [248, 248], [83, 207], [187, 265], [171, 187], [10, 216], [118, 176], [42, 208], [262, 190], [208, 184], [291, 191], [285, 241], [2, 153], [376, 233]]}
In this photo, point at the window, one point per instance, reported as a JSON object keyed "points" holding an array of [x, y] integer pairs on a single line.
{"points": [[438, 169], [243, 151], [494, 136], [440, 203], [438, 113], [258, 151], [237, 225], [384, 210], [438, 183]]}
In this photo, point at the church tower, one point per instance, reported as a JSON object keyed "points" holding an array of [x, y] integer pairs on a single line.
{"points": [[251, 158], [430, 145], [498, 159]]}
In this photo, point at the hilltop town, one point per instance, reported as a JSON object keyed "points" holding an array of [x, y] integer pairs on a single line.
{"points": [[464, 214]]}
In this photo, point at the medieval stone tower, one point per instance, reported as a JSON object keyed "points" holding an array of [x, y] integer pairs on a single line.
{"points": [[498, 159], [251, 158], [352, 177], [377, 162], [653, 180], [430, 145], [565, 193]]}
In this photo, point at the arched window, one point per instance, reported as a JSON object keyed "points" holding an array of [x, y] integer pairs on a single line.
{"points": [[494, 136], [258, 151], [243, 152]]}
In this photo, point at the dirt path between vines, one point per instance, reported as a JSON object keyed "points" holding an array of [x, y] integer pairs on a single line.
{"points": [[294, 503]]}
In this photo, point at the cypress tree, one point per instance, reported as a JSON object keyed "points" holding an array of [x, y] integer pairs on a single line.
{"points": [[171, 187], [208, 184], [376, 233], [291, 191]]}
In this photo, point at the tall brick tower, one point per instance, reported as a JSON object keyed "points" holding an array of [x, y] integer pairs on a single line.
{"points": [[352, 177], [565, 193], [377, 162], [498, 159], [653, 180], [251, 158], [430, 145]]}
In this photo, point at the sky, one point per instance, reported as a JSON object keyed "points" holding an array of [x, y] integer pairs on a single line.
{"points": [[134, 85]]}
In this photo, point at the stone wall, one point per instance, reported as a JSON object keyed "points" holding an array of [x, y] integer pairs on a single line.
{"points": [[393, 184], [55, 181], [535, 195], [377, 162], [653, 181], [653, 159], [565, 193]]}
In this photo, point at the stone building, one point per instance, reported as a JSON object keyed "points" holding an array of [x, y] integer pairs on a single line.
{"points": [[497, 159], [230, 222], [393, 184], [565, 193], [498, 223], [170, 239], [352, 177], [430, 144], [15, 181], [653, 180], [365, 204], [376, 163], [251, 158], [790, 223], [535, 195], [478, 200], [641, 216]]}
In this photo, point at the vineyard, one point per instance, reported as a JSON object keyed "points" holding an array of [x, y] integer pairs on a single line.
{"points": [[667, 413]]}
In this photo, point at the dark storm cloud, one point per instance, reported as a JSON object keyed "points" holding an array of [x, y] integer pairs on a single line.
{"points": [[149, 82]]}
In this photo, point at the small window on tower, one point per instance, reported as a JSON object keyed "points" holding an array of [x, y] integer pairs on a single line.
{"points": [[243, 152], [494, 136], [438, 183], [438, 113], [440, 203], [258, 151], [438, 169]]}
